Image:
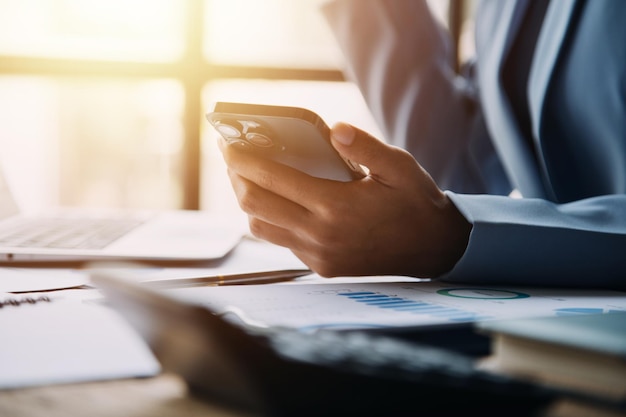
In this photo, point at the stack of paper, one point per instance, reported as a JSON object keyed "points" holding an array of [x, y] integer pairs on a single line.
{"points": [[51, 342]]}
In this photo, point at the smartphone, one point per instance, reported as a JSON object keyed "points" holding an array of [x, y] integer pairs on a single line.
{"points": [[293, 136]]}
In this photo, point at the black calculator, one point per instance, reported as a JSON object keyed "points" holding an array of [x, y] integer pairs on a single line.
{"points": [[284, 372]]}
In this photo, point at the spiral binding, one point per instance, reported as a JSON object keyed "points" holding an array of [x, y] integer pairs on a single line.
{"points": [[25, 300]]}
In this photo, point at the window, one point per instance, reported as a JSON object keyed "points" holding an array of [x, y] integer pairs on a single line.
{"points": [[92, 101], [102, 103]]}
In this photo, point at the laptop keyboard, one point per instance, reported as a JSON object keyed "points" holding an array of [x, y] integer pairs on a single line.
{"points": [[66, 233]]}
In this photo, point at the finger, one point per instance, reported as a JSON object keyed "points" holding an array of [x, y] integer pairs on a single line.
{"points": [[280, 179], [387, 164], [265, 205], [272, 233]]}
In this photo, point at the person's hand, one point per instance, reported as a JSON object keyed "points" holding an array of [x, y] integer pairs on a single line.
{"points": [[395, 221]]}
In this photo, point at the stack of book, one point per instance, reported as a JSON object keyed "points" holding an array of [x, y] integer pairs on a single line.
{"points": [[583, 354]]}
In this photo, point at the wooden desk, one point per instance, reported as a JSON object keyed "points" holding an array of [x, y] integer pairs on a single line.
{"points": [[162, 396]]}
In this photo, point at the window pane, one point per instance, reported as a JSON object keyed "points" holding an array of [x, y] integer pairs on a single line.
{"points": [[274, 33], [135, 30], [333, 101], [100, 143]]}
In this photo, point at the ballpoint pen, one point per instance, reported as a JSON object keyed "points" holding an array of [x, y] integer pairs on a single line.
{"points": [[265, 277]]}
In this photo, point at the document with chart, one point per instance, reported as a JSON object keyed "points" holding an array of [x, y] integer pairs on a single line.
{"points": [[388, 304]]}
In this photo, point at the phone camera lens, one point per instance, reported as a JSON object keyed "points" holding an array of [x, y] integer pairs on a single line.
{"points": [[227, 130], [239, 142], [259, 139]]}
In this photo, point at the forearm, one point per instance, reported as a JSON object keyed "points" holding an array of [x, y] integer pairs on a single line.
{"points": [[535, 242], [401, 59], [393, 50]]}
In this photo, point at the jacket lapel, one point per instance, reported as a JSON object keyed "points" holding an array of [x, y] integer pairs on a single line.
{"points": [[519, 161], [554, 29]]}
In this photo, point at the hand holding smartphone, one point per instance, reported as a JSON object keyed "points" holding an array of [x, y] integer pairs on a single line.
{"points": [[293, 136]]}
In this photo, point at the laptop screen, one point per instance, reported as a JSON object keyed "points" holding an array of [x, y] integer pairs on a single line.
{"points": [[8, 207]]}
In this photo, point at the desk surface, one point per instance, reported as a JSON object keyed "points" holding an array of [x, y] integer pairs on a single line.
{"points": [[162, 396]]}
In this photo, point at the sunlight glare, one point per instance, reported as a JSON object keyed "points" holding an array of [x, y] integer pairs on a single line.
{"points": [[283, 33], [137, 30]]}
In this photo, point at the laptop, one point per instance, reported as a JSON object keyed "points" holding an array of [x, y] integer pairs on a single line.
{"points": [[82, 234]]}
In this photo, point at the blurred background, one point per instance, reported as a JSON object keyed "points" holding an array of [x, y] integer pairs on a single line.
{"points": [[102, 103]]}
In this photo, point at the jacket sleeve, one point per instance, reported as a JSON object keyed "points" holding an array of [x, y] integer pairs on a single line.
{"points": [[400, 57], [537, 242]]}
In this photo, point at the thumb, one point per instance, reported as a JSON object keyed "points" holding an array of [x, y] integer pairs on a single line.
{"points": [[386, 163]]}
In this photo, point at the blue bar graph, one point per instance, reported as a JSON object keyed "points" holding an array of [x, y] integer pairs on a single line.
{"points": [[406, 305]]}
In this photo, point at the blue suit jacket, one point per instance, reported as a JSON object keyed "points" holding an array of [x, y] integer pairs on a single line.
{"points": [[570, 226]]}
